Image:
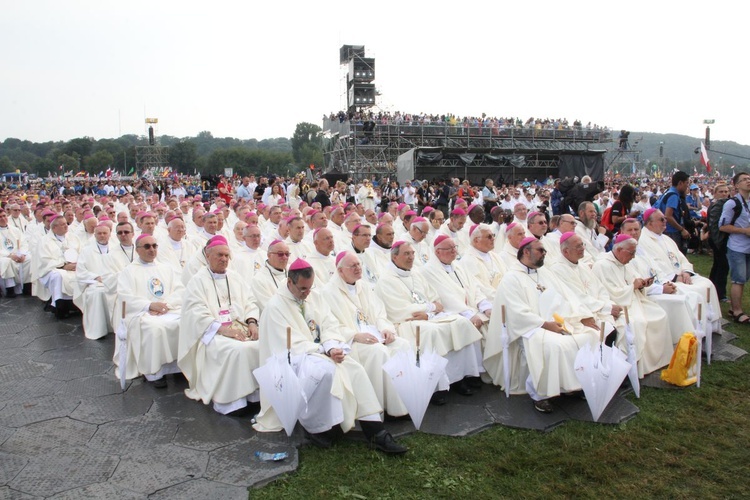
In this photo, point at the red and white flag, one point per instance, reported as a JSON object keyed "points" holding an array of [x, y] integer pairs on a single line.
{"points": [[704, 158]]}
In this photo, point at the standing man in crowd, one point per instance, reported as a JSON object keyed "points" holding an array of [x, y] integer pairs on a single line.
{"points": [[738, 243]]}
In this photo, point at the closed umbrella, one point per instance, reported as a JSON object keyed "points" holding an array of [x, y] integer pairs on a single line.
{"points": [[632, 356], [122, 338]]}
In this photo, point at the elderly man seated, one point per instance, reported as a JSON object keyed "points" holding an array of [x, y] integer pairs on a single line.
{"points": [[57, 266], [152, 294], [481, 263], [411, 302], [541, 351], [365, 327], [268, 279], [344, 393], [15, 258], [218, 334], [96, 284]]}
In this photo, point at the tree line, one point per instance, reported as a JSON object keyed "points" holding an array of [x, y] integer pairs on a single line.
{"points": [[203, 153]]}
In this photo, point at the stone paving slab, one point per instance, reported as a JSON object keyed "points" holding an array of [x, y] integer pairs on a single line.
{"points": [[42, 437], [32, 410], [201, 488], [237, 465], [119, 406], [149, 470], [98, 491], [7, 493]]}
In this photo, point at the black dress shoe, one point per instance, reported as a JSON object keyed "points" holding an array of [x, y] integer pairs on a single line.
{"points": [[10, 292], [242, 412], [384, 442], [439, 398], [48, 307], [543, 406], [27, 289], [474, 382], [462, 388], [159, 383], [320, 440]]}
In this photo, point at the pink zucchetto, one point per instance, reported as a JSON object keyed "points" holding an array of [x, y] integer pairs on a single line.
{"points": [[427, 210], [400, 206], [312, 212], [495, 209], [300, 264], [417, 220], [532, 215], [274, 242], [510, 226], [48, 213], [473, 228], [88, 216], [340, 256], [566, 236], [458, 212], [216, 241], [647, 214], [526, 241], [398, 243], [441, 238], [410, 213], [104, 218], [622, 237], [144, 235], [198, 197], [472, 207], [251, 213], [102, 224]]}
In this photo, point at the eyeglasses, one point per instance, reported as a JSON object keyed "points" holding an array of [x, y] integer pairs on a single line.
{"points": [[280, 254], [451, 248], [149, 246], [542, 222], [124, 232], [419, 229]]}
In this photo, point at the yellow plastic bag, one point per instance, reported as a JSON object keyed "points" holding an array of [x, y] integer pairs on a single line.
{"points": [[683, 360]]}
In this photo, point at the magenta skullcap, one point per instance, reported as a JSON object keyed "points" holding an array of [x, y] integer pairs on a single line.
{"points": [[354, 229], [197, 197], [648, 213], [143, 235], [340, 256], [381, 214], [48, 212], [441, 238], [458, 211], [427, 210], [417, 220], [103, 224], [380, 224], [251, 213], [566, 236], [300, 264], [104, 218], [274, 242], [401, 205], [622, 237], [171, 218], [88, 216], [346, 205], [53, 217], [410, 213], [217, 211], [397, 244], [526, 241], [337, 209], [510, 226], [216, 241], [472, 207], [495, 209], [533, 214], [473, 228], [312, 212], [261, 206]]}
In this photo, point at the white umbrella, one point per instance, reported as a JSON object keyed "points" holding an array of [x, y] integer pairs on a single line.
{"points": [[632, 356], [505, 339], [708, 334], [600, 370], [280, 384], [699, 336], [415, 380], [122, 337]]}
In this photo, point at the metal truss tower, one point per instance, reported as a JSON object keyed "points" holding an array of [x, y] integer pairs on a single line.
{"points": [[152, 157]]}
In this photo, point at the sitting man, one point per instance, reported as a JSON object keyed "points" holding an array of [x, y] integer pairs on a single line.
{"points": [[365, 327], [322, 258], [592, 234], [218, 335], [15, 258], [152, 293], [249, 258], [272, 275], [176, 250], [653, 340], [481, 263], [411, 302], [96, 284], [544, 365], [344, 392], [57, 266]]}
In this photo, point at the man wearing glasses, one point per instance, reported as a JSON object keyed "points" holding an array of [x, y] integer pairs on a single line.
{"points": [[481, 263], [417, 237], [272, 275], [152, 293], [249, 259], [15, 258], [57, 266]]}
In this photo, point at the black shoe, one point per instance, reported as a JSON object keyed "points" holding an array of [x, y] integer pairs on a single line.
{"points": [[160, 383], [320, 440], [439, 398], [10, 292], [27, 289], [474, 382], [245, 411], [543, 406], [384, 442], [61, 309], [462, 388], [48, 307]]}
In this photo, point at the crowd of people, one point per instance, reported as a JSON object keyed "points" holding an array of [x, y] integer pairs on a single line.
{"points": [[209, 288]]}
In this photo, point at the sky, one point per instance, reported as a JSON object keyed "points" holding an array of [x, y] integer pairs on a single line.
{"points": [[237, 69]]}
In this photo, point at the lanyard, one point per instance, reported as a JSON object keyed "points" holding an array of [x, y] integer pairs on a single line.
{"points": [[130, 258], [229, 292]]}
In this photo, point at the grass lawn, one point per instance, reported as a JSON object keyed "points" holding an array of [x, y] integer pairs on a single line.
{"points": [[688, 443]]}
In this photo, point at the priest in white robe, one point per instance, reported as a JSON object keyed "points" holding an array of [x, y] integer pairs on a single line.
{"points": [[218, 348], [322, 258], [542, 354], [653, 340], [514, 234], [551, 240], [417, 237], [454, 227], [482, 264], [15, 257], [249, 258], [95, 288], [590, 232], [380, 246], [272, 275], [57, 265], [365, 327], [153, 294], [411, 301], [344, 393], [361, 237], [174, 248], [671, 265]]}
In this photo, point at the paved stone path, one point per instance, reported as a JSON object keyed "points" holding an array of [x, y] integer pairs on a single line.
{"points": [[68, 431]]}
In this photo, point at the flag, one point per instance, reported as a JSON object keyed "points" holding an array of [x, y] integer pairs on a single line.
{"points": [[60, 167], [166, 172], [132, 169], [704, 158], [108, 173]]}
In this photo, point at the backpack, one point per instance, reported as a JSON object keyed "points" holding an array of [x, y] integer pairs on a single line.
{"points": [[607, 219], [682, 210], [719, 237]]}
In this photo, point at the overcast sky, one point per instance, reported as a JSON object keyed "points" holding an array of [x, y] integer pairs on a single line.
{"points": [[98, 68]]}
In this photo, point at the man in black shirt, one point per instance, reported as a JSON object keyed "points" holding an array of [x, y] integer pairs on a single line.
{"points": [[322, 196]]}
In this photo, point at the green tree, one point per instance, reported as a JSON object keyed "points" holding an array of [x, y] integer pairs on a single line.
{"points": [[82, 146], [68, 162], [98, 161], [305, 140], [183, 156], [5, 165]]}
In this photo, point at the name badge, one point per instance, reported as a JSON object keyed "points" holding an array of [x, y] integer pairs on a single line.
{"points": [[225, 318]]}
